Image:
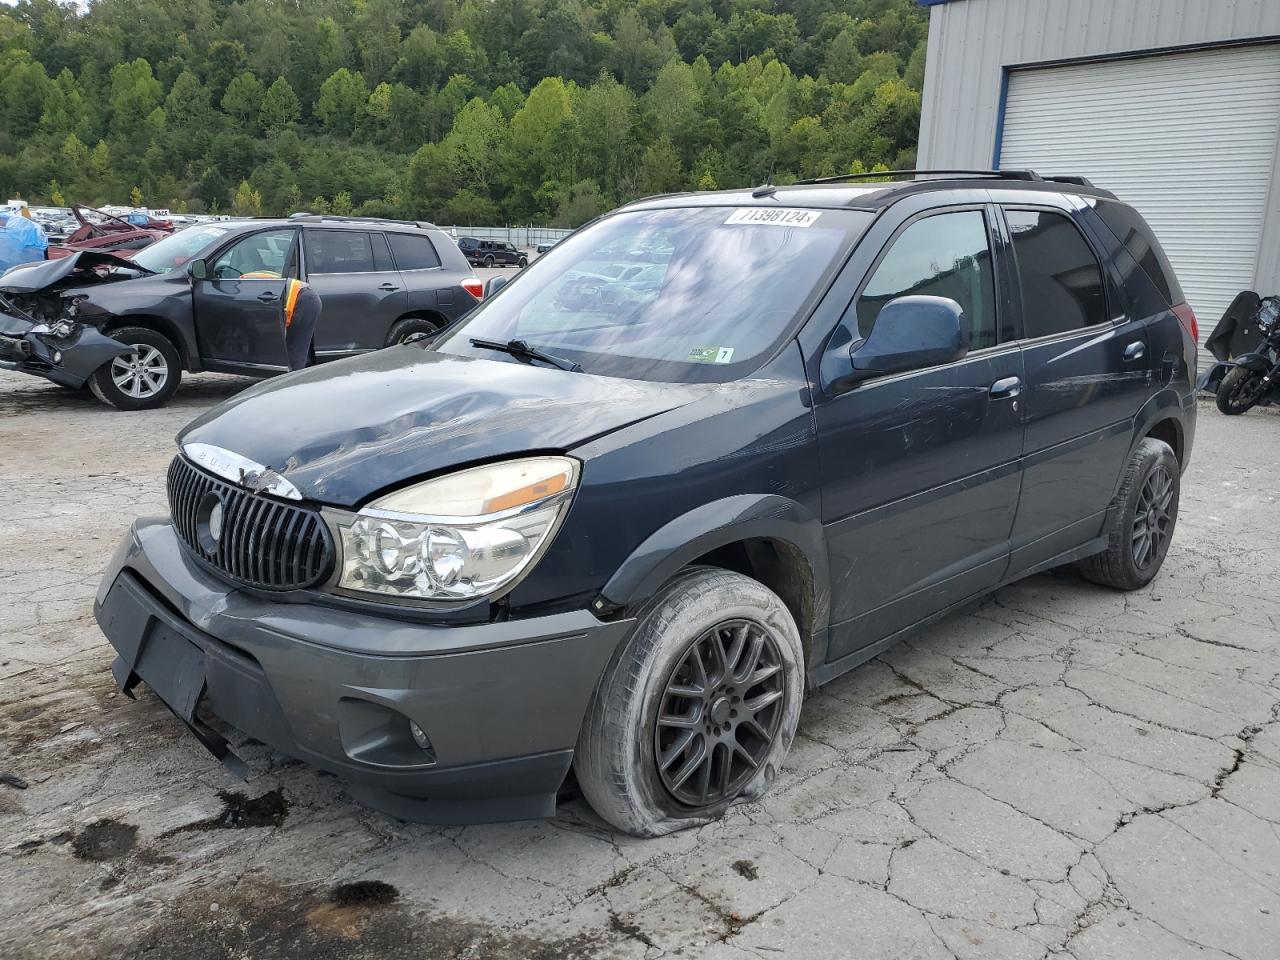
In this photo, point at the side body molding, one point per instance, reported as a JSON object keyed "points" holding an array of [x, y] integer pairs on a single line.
{"points": [[718, 524]]}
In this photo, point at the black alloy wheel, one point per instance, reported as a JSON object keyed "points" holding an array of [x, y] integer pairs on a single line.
{"points": [[1153, 520], [719, 713]]}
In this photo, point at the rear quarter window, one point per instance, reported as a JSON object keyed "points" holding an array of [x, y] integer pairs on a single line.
{"points": [[1138, 240], [413, 253]]}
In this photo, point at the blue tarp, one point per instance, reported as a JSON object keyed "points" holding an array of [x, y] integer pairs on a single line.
{"points": [[21, 241]]}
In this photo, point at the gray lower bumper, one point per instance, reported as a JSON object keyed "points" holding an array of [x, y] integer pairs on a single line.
{"points": [[500, 702]]}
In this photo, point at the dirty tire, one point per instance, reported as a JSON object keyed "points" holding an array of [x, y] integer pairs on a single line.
{"points": [[615, 760], [105, 388], [1236, 381], [1117, 566], [411, 326]]}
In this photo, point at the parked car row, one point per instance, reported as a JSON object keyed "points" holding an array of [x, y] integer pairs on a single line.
{"points": [[209, 298]]}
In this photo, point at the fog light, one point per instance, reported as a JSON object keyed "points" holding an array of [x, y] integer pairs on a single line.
{"points": [[419, 736], [57, 356]]}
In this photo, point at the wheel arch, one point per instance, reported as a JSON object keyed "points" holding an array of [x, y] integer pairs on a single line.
{"points": [[769, 538], [166, 328]]}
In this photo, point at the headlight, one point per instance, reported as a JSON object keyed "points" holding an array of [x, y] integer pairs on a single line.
{"points": [[460, 537]]}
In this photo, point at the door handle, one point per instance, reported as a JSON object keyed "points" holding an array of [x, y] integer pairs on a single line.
{"points": [[268, 297], [1135, 351], [389, 287], [1006, 387]]}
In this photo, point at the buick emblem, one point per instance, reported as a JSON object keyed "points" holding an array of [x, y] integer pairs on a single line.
{"points": [[209, 517], [215, 522]]}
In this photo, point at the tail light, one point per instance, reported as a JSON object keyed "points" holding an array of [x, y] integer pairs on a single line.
{"points": [[1187, 317], [475, 287]]}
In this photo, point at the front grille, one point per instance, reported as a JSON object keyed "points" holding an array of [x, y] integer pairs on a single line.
{"points": [[264, 543]]}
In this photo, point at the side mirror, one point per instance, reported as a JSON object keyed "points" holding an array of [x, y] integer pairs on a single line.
{"points": [[199, 270], [911, 333], [493, 285]]}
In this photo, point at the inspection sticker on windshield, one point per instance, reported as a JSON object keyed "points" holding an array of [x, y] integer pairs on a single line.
{"points": [[775, 216], [711, 355]]}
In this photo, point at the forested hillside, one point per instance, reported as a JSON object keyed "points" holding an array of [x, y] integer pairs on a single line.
{"points": [[479, 111]]}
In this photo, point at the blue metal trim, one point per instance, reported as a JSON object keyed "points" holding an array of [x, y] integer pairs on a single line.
{"points": [[1004, 100], [934, 3]]}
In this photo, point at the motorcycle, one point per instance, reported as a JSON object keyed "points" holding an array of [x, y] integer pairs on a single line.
{"points": [[1253, 378]]}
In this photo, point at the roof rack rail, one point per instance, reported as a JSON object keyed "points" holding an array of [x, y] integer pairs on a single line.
{"points": [[305, 215], [878, 174], [1075, 181]]}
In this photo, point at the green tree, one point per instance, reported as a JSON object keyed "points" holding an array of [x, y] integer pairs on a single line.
{"points": [[247, 201], [341, 104], [280, 107], [135, 92], [243, 99]]}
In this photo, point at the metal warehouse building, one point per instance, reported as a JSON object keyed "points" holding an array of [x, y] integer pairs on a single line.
{"points": [[1172, 104]]}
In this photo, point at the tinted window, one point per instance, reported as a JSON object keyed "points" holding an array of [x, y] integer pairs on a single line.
{"points": [[1137, 238], [259, 256], [941, 256], [412, 253], [338, 251], [1060, 276]]}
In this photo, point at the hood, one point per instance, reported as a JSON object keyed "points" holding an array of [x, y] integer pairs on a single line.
{"points": [[75, 270], [343, 431]]}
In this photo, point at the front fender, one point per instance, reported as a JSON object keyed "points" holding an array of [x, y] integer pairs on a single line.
{"points": [[1258, 362], [718, 524], [78, 355]]}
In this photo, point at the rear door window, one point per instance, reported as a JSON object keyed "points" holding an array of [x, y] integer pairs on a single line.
{"points": [[413, 253], [338, 251], [1061, 279], [944, 255]]}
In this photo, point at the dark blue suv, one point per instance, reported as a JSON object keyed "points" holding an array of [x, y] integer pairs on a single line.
{"points": [[709, 452]]}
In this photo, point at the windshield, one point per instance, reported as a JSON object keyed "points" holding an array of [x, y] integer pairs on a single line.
{"points": [[176, 249], [688, 295]]}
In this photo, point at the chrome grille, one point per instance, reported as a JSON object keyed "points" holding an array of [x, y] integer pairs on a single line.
{"points": [[262, 542]]}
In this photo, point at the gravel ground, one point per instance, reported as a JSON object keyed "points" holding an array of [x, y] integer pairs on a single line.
{"points": [[1060, 771]]}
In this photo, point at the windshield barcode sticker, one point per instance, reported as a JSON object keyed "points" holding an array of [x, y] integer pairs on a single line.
{"points": [[775, 216]]}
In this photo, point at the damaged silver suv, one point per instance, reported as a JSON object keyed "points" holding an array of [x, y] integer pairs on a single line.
{"points": [[708, 452]]}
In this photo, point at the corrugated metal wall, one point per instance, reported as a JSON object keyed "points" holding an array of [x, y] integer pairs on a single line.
{"points": [[972, 42]]}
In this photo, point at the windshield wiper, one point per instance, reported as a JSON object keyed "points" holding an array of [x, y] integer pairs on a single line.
{"points": [[523, 351]]}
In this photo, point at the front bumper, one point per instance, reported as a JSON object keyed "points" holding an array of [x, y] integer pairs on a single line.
{"points": [[500, 702]]}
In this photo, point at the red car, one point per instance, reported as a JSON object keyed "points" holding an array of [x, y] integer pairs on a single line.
{"points": [[111, 234]]}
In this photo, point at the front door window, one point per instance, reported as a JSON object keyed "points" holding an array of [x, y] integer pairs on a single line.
{"points": [[259, 256]]}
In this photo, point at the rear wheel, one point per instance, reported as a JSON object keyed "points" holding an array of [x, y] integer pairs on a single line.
{"points": [[696, 710], [141, 380], [1239, 390], [410, 329], [1142, 522]]}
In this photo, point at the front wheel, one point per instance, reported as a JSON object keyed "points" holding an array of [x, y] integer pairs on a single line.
{"points": [[697, 709], [1239, 390], [1140, 527], [488, 261], [141, 380], [523, 262]]}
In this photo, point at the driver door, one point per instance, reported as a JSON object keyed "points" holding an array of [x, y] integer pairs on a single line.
{"points": [[239, 318], [920, 470]]}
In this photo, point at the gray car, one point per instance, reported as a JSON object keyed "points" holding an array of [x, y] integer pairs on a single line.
{"points": [[209, 298]]}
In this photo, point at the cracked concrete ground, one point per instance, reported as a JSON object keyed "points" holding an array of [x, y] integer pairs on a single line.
{"points": [[1059, 772]]}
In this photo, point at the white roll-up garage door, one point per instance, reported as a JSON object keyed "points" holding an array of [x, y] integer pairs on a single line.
{"points": [[1189, 139]]}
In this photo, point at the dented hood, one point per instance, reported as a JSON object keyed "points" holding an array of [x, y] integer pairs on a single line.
{"points": [[44, 275], [343, 431]]}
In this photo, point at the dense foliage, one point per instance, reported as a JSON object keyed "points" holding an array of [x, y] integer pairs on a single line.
{"points": [[467, 111]]}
